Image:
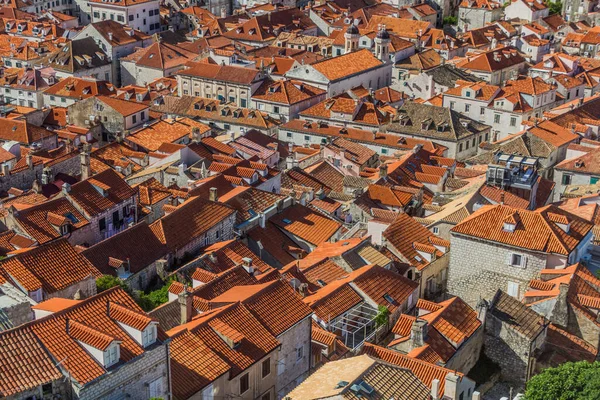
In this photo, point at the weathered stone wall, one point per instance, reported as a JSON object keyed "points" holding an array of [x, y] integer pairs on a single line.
{"points": [[479, 268], [131, 380], [295, 370]]}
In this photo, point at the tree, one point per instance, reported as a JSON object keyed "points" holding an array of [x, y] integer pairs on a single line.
{"points": [[106, 282], [569, 381], [555, 7], [450, 20], [382, 315]]}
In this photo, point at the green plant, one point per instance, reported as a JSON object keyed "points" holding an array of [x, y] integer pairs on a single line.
{"points": [[151, 300], [569, 381], [382, 315], [106, 282], [555, 7], [450, 20]]}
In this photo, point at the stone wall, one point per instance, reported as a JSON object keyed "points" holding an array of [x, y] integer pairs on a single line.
{"points": [[225, 229], [479, 268], [295, 370], [467, 354], [131, 380], [86, 286]]}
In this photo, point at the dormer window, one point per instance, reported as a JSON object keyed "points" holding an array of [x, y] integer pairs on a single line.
{"points": [[149, 335], [65, 229], [112, 355], [508, 227]]}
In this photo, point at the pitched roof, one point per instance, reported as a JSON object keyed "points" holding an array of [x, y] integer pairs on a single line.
{"points": [[346, 65], [517, 315], [306, 224], [223, 73], [137, 246], [101, 192], [535, 230], [425, 371], [43, 222], [188, 221], [52, 267]]}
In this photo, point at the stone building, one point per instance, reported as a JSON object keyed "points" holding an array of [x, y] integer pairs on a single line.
{"points": [[105, 200], [426, 337], [52, 270], [224, 83], [110, 349], [514, 336], [499, 246]]}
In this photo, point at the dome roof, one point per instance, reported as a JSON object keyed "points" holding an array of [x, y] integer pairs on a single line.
{"points": [[353, 30]]}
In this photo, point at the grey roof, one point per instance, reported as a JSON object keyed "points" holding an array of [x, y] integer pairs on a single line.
{"points": [[446, 75], [70, 57], [517, 315], [442, 123]]}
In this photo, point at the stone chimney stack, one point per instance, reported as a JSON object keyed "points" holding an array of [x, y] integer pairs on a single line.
{"points": [[66, 188], [451, 388], [29, 160], [418, 333], [186, 305], [213, 196], [86, 167], [247, 264], [435, 389], [383, 170]]}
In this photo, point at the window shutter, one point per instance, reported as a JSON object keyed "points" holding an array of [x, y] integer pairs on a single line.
{"points": [[508, 258], [523, 261]]}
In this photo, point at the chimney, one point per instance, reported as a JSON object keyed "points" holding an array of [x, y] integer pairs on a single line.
{"points": [[5, 169], [185, 305], [196, 135], [451, 387], [86, 168], [224, 12], [29, 160], [247, 264], [213, 194], [383, 170], [560, 314], [66, 188], [418, 333], [476, 396], [262, 220], [46, 176], [36, 186], [110, 36], [435, 389]]}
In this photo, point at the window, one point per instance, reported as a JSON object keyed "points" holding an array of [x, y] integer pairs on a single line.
{"points": [[516, 260], [468, 93], [276, 109], [513, 289], [244, 384], [496, 118], [63, 100], [156, 388], [102, 224], [566, 179], [207, 393], [482, 111], [594, 179], [467, 107], [299, 353], [120, 18], [52, 98], [243, 103], [436, 230], [64, 230], [384, 151], [289, 134], [143, 115], [134, 118], [226, 126], [460, 147], [306, 137], [452, 105], [149, 335], [131, 18], [111, 355], [513, 121], [266, 368]]}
